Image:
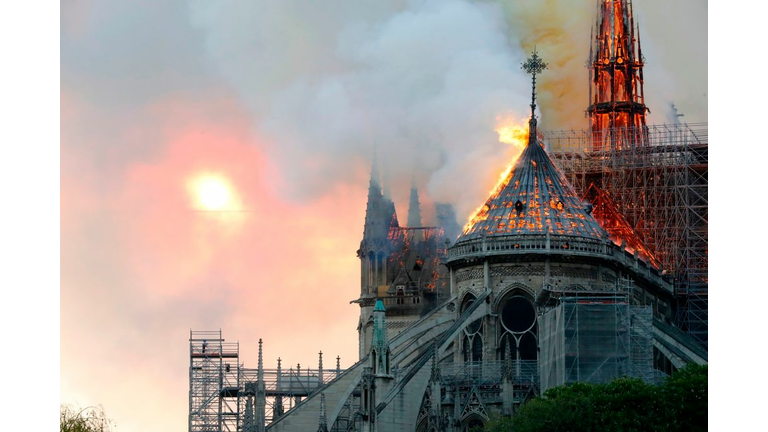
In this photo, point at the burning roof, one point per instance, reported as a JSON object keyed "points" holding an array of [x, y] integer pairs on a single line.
{"points": [[534, 198], [620, 231]]}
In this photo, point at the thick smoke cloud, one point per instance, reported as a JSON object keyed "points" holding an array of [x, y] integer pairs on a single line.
{"points": [[671, 34], [423, 81]]}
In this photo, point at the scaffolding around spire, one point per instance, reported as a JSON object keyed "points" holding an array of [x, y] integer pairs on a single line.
{"points": [[616, 98]]}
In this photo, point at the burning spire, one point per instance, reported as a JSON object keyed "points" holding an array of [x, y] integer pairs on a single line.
{"points": [[615, 65], [533, 196]]}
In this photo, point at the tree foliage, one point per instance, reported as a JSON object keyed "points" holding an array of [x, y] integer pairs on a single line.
{"points": [[624, 404], [90, 419]]}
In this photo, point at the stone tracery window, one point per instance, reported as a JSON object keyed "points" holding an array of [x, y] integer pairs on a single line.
{"points": [[472, 342], [517, 324]]}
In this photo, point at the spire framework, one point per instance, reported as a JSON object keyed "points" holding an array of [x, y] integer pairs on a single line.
{"points": [[617, 111]]}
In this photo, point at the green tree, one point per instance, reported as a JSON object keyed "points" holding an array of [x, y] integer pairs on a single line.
{"points": [[685, 396], [90, 419], [624, 404]]}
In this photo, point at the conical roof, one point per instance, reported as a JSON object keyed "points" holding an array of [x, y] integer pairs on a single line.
{"points": [[534, 198]]}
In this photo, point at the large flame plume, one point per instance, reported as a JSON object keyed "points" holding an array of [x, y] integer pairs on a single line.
{"points": [[512, 132]]}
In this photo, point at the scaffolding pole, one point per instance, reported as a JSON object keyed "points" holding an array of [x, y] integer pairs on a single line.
{"points": [[213, 383]]}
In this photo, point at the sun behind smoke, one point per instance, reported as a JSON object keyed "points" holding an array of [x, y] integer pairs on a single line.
{"points": [[212, 192]]}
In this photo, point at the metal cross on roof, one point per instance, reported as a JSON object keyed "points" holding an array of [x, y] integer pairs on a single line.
{"points": [[534, 65]]}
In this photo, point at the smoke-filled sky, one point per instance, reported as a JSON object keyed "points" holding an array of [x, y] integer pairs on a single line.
{"points": [[282, 103]]}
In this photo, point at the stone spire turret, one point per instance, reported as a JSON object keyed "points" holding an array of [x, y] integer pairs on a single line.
{"points": [[414, 213], [414, 208], [320, 369], [260, 371], [380, 216], [380, 354], [277, 411], [375, 226], [261, 394], [249, 422]]}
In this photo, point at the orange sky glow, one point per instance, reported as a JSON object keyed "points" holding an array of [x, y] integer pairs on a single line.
{"points": [[143, 265]]}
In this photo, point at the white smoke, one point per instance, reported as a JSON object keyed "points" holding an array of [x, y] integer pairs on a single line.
{"points": [[423, 81]]}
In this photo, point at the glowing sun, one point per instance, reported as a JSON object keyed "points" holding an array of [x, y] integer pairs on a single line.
{"points": [[212, 192]]}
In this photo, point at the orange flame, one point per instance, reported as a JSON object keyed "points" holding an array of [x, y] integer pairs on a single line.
{"points": [[510, 132]]}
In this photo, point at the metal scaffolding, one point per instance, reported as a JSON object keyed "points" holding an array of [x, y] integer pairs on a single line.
{"points": [[596, 337], [214, 373], [659, 184], [284, 389], [224, 396]]}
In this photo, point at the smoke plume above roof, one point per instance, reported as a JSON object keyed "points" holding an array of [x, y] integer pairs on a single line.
{"points": [[423, 81]]}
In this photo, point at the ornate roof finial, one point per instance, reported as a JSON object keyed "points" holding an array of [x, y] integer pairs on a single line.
{"points": [[534, 65]]}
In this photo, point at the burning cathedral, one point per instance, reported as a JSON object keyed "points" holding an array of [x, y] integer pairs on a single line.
{"points": [[578, 267]]}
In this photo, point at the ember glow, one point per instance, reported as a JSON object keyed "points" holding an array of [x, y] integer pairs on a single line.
{"points": [[515, 134]]}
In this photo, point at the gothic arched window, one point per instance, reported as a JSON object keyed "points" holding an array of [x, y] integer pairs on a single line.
{"points": [[472, 343], [518, 328]]}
